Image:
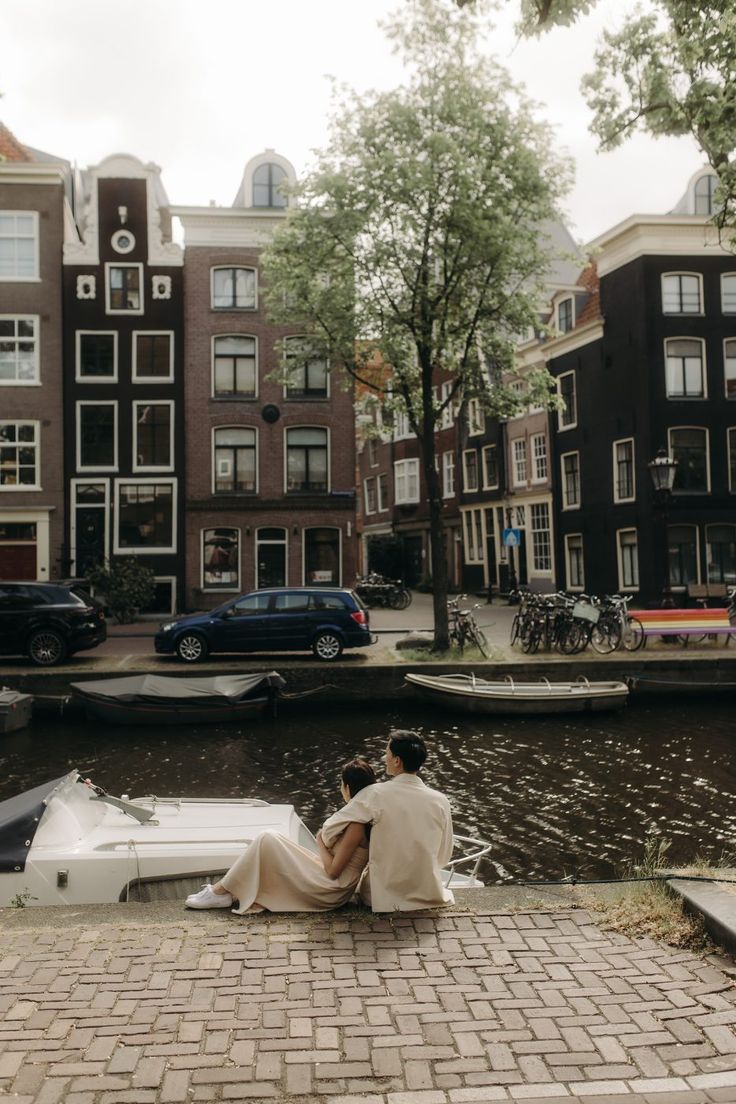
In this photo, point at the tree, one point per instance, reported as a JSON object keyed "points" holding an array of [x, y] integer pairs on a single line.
{"points": [[126, 585], [667, 71], [416, 242]]}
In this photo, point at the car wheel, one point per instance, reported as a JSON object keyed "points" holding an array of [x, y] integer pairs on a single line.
{"points": [[192, 648], [47, 647], [327, 646]]}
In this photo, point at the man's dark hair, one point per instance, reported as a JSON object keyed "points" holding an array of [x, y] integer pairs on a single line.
{"points": [[409, 748]]}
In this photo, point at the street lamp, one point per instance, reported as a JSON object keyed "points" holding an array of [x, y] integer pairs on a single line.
{"points": [[663, 469]]}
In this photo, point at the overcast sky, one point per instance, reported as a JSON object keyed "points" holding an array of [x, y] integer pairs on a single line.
{"points": [[201, 87]]}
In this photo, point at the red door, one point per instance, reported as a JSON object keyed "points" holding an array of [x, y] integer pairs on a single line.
{"points": [[18, 561]]}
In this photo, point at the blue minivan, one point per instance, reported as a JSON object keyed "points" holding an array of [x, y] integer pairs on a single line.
{"points": [[282, 619]]}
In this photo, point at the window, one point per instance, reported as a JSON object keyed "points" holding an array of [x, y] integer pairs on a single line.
{"points": [[623, 470], [369, 495], [254, 604], [729, 368], [306, 460], [322, 561], [541, 543], [401, 425], [685, 363], [574, 561], [153, 436], [473, 536], [306, 372], [221, 559], [19, 349], [448, 474], [476, 418], [19, 460], [266, 186], [519, 452], [728, 293], [406, 481], [689, 447], [570, 480], [732, 460], [145, 516], [490, 467], [565, 315], [234, 371], [682, 554], [233, 288], [447, 419], [372, 452], [97, 357], [720, 547], [681, 293], [539, 457], [470, 470], [124, 289], [704, 193], [382, 492], [628, 559], [97, 433], [18, 245], [568, 416], [235, 460], [153, 357]]}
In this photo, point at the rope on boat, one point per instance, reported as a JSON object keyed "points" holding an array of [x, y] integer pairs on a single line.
{"points": [[573, 880], [634, 680], [308, 693]]}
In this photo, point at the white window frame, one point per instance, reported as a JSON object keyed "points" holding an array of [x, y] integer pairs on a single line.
{"points": [[467, 489], [448, 474], [538, 457], [231, 589], [37, 486], [145, 551], [473, 551], [569, 537], [35, 278], [135, 377], [622, 585], [540, 572], [366, 500], [706, 431], [296, 397], [109, 265], [563, 481], [703, 370], [36, 320], [681, 313], [476, 418], [617, 496], [519, 460], [235, 264], [85, 380], [447, 419], [405, 471], [74, 484], [402, 428], [78, 428], [236, 397], [382, 505], [728, 276], [486, 449], [213, 446], [726, 342], [562, 428], [149, 467], [567, 299], [307, 425]]}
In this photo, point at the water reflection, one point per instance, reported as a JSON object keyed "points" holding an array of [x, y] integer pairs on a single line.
{"points": [[556, 796]]}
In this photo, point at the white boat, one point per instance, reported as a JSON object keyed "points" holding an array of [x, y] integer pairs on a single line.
{"points": [[70, 843], [471, 694]]}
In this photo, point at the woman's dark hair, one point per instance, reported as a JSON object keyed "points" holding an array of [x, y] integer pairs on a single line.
{"points": [[356, 774], [409, 748]]}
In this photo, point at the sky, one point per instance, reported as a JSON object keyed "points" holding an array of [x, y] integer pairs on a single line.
{"points": [[200, 88]]}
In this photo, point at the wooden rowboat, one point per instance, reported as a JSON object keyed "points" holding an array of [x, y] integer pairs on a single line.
{"points": [[471, 694]]}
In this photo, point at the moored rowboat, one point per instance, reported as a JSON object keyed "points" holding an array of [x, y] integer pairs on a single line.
{"points": [[471, 694]]}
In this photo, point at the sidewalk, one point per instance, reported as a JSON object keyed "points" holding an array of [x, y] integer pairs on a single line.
{"points": [[147, 1004]]}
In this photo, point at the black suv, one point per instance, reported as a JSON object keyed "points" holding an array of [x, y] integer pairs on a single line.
{"points": [[278, 620], [48, 621]]}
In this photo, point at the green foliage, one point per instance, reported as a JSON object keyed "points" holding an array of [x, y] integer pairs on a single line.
{"points": [[126, 585], [20, 900]]}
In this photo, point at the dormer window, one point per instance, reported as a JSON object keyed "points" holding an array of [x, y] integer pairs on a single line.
{"points": [[267, 181], [704, 193], [565, 316]]}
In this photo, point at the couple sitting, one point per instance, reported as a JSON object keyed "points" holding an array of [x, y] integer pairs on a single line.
{"points": [[390, 842]]}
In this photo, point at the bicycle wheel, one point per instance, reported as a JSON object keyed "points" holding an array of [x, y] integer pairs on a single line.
{"points": [[515, 624], [605, 636], [478, 638], [406, 597], [572, 637], [633, 637]]}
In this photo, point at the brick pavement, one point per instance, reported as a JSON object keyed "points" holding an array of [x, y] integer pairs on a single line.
{"points": [[436, 1009]]}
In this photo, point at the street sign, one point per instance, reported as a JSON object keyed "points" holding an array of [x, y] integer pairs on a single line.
{"points": [[511, 538]]}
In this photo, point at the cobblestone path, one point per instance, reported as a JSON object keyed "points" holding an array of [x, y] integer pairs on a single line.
{"points": [[435, 1010]]}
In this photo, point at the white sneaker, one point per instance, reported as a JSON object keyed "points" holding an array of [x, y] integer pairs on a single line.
{"points": [[207, 899]]}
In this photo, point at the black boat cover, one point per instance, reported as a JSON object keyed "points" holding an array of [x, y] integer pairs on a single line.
{"points": [[19, 820], [220, 690]]}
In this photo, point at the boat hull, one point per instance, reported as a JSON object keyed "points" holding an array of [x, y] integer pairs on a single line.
{"points": [[465, 695], [173, 713]]}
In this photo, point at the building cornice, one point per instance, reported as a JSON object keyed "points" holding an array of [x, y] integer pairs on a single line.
{"points": [[29, 172], [660, 235], [575, 339], [220, 227]]}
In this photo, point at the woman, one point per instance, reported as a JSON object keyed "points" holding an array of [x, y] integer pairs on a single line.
{"points": [[277, 874]]}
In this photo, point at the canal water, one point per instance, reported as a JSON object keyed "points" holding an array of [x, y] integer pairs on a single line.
{"points": [[555, 796]]}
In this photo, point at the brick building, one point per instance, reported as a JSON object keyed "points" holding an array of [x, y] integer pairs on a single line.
{"points": [[270, 496]]}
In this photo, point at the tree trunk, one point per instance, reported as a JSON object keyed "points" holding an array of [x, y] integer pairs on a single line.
{"points": [[437, 547]]}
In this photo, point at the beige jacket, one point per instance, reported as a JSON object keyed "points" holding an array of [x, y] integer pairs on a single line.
{"points": [[411, 840]]}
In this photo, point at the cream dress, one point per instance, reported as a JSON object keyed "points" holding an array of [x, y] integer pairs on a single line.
{"points": [[277, 874]]}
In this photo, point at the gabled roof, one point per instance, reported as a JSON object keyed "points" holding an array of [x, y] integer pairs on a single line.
{"points": [[588, 279], [10, 147]]}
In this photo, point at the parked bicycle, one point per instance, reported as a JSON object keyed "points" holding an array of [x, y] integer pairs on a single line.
{"points": [[616, 627], [693, 638], [375, 590], [463, 627]]}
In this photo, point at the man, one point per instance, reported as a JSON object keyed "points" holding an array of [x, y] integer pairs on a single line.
{"points": [[411, 834]]}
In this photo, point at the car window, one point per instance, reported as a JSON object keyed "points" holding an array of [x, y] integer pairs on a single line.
{"points": [[291, 603], [331, 602], [252, 603]]}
